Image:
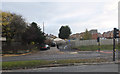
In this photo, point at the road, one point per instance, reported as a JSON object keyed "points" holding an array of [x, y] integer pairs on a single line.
{"points": [[56, 54], [81, 68]]}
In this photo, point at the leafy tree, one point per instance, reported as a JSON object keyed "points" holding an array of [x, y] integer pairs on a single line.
{"points": [[6, 18], [87, 35], [13, 26], [64, 32], [17, 26], [33, 34]]}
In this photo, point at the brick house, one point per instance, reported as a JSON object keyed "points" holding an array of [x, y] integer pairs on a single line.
{"points": [[108, 34]]}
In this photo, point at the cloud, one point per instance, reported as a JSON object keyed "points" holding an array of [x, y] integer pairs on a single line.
{"points": [[78, 15], [102, 17], [56, 0], [108, 19]]}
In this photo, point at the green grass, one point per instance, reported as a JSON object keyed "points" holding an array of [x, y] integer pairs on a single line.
{"points": [[94, 47], [24, 64], [41, 63]]}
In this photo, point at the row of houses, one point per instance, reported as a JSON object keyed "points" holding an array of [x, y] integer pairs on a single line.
{"points": [[95, 34], [108, 34], [50, 36]]}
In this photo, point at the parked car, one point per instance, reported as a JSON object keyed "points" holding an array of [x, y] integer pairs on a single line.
{"points": [[53, 44], [47, 46], [44, 47]]}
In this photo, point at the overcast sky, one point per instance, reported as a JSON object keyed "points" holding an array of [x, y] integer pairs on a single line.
{"points": [[77, 15]]}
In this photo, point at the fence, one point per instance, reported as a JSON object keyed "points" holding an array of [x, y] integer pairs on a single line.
{"points": [[92, 42]]}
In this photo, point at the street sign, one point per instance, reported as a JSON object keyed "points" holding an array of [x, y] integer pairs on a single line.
{"points": [[68, 40]]}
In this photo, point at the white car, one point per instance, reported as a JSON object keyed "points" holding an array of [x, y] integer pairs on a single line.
{"points": [[44, 47], [47, 46]]}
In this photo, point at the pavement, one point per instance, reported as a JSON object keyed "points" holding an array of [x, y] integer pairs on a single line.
{"points": [[73, 68]]}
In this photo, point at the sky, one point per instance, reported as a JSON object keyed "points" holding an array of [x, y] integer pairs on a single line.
{"points": [[79, 16]]}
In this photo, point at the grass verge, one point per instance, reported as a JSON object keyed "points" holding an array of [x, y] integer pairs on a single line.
{"points": [[94, 47], [42, 63]]}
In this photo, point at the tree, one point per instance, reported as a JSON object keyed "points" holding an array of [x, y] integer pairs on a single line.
{"points": [[13, 26], [18, 26], [64, 32], [6, 19], [87, 35], [33, 34]]}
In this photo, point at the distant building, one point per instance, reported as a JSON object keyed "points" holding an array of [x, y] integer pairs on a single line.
{"points": [[95, 34], [100, 35], [82, 35], [75, 36], [50, 36], [93, 31], [108, 34]]}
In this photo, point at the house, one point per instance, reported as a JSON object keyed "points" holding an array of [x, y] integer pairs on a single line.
{"points": [[75, 36], [108, 34], [82, 35], [94, 33]]}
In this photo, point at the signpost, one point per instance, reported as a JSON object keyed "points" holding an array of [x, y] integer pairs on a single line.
{"points": [[115, 35]]}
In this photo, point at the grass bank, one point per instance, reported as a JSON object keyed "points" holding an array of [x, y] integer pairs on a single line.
{"points": [[43, 63], [94, 47]]}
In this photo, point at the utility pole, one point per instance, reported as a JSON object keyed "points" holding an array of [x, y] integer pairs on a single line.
{"points": [[43, 27]]}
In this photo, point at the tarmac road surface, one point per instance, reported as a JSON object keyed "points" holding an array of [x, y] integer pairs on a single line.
{"points": [[56, 54]]}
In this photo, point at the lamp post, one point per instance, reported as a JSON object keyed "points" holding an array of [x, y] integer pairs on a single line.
{"points": [[43, 27]]}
